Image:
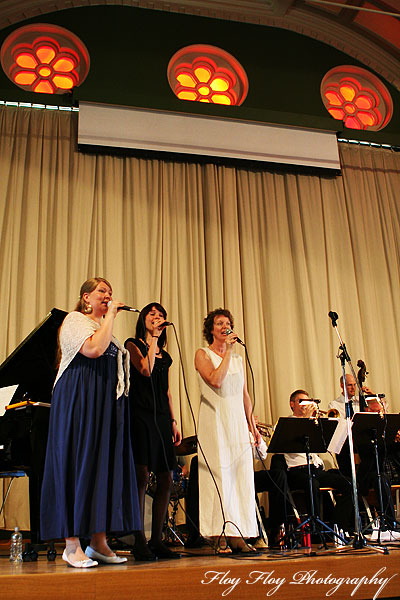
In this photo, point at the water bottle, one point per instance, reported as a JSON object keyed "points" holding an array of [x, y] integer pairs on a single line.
{"points": [[16, 547], [282, 537]]}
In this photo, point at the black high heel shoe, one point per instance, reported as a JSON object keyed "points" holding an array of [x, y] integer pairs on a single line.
{"points": [[162, 551], [141, 551]]}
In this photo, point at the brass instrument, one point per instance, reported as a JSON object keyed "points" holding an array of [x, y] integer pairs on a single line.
{"points": [[332, 413], [265, 429]]}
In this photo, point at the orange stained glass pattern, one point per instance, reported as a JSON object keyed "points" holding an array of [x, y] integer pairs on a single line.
{"points": [[23, 78], [45, 54], [44, 71], [205, 73], [45, 58], [27, 61], [356, 97], [64, 65]]}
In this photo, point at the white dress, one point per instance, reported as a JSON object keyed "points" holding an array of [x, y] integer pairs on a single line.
{"points": [[224, 439]]}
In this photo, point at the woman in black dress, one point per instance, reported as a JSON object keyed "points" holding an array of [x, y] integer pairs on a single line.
{"points": [[89, 485], [154, 427]]}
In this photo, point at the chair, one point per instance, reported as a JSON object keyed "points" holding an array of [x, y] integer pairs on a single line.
{"points": [[328, 490], [13, 473], [396, 494]]}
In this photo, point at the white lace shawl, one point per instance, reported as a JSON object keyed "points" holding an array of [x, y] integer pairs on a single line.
{"points": [[75, 330]]}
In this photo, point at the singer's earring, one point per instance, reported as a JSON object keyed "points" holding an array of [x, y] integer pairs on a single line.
{"points": [[88, 309]]}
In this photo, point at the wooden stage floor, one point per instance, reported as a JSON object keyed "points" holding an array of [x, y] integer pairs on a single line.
{"points": [[358, 574]]}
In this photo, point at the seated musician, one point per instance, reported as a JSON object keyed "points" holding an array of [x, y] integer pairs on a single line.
{"points": [[273, 481], [343, 458], [392, 461], [297, 472], [367, 475], [339, 402]]}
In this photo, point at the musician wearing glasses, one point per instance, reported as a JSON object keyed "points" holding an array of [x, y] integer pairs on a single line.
{"points": [[226, 478]]}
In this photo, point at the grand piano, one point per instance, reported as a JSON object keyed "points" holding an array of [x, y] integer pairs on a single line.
{"points": [[24, 426]]}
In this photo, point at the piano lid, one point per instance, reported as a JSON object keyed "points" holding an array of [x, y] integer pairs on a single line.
{"points": [[32, 365]]}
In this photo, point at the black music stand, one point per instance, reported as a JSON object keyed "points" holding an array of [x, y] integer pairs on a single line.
{"points": [[376, 431], [306, 435]]}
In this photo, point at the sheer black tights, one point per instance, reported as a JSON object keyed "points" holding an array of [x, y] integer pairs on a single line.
{"points": [[160, 501]]}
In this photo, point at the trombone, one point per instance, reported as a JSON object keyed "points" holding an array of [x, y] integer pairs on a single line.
{"points": [[265, 429]]}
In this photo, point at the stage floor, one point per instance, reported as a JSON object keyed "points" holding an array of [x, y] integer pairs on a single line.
{"points": [[198, 575]]}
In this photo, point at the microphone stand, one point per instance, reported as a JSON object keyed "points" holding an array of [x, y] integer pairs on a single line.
{"points": [[382, 515], [359, 540]]}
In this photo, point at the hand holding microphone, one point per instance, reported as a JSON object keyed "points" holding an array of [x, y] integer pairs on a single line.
{"points": [[113, 307], [122, 306], [237, 339], [158, 326]]}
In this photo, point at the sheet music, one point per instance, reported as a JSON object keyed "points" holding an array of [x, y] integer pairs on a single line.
{"points": [[6, 393], [339, 437]]}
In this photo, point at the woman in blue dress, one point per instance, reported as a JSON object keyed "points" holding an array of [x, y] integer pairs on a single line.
{"points": [[89, 486]]}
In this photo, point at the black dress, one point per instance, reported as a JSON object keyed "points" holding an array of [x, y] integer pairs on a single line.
{"points": [[150, 414]]}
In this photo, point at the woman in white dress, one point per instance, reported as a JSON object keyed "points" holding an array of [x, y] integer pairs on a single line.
{"points": [[226, 494]]}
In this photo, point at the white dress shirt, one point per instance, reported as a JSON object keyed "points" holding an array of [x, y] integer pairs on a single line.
{"points": [[299, 459], [339, 404]]}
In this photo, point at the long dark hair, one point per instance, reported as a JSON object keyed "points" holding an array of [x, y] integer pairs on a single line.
{"points": [[141, 327]]}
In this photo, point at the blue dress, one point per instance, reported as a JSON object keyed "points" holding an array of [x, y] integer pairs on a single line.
{"points": [[89, 483]]}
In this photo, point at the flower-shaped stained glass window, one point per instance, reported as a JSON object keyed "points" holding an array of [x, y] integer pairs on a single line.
{"points": [[356, 97], [203, 73], [45, 58]]}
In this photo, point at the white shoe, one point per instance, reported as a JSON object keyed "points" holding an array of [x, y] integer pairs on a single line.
{"points": [[385, 536], [102, 558], [80, 564]]}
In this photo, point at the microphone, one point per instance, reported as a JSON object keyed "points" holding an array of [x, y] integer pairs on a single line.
{"points": [[125, 307], [333, 317], [229, 331], [163, 325]]}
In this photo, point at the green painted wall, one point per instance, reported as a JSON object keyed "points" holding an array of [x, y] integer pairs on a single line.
{"points": [[130, 49]]}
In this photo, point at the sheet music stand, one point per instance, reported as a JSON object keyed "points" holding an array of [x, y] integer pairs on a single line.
{"points": [[289, 433], [305, 435], [376, 431], [386, 427]]}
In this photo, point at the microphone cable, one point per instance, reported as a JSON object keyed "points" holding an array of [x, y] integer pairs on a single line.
{"points": [[225, 521], [174, 484], [199, 446]]}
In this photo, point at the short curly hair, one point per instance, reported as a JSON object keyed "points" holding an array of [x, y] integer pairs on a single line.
{"points": [[208, 323]]}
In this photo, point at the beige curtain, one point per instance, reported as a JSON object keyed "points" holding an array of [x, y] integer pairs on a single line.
{"points": [[280, 250]]}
